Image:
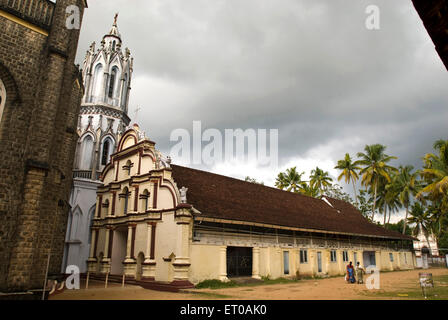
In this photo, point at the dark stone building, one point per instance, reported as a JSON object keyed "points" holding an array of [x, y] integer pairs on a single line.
{"points": [[434, 14], [40, 96]]}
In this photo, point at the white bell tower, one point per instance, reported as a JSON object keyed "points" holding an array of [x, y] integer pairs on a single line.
{"points": [[107, 74]]}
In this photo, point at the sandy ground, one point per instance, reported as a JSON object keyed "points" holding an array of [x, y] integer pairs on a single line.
{"points": [[322, 289]]}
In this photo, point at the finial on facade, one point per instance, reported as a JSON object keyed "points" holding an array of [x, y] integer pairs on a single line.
{"points": [[115, 19]]}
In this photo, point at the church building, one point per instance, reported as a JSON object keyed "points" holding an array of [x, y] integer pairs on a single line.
{"points": [[107, 74], [157, 223]]}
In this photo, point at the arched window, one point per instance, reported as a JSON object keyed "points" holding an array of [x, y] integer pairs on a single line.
{"points": [[107, 151], [128, 167], [97, 81], [105, 208], [113, 45], [2, 98], [113, 83], [87, 153], [113, 77], [75, 224], [145, 198], [126, 195]]}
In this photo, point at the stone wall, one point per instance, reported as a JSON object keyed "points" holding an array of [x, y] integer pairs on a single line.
{"points": [[38, 139]]}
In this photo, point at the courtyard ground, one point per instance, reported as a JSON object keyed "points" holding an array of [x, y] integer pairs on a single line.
{"points": [[401, 285]]}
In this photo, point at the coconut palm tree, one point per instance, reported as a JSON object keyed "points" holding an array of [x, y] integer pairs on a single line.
{"points": [[405, 183], [307, 190], [435, 175], [422, 221], [320, 180], [374, 162], [383, 196], [290, 180], [349, 172], [393, 203]]}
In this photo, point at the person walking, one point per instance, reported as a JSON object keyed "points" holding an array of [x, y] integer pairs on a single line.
{"points": [[350, 273], [359, 273]]}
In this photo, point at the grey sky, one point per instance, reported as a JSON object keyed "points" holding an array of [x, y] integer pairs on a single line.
{"points": [[309, 68]]}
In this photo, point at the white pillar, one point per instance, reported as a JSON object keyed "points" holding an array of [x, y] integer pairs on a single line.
{"points": [[223, 264], [129, 244], [377, 260], [149, 266], [130, 265], [181, 263], [340, 259], [92, 262], [312, 260], [148, 242], [256, 263]]}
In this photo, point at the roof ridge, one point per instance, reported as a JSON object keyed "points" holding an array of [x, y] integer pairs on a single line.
{"points": [[257, 185]]}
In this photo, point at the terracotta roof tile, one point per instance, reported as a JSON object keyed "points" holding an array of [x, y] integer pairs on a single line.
{"points": [[222, 197]]}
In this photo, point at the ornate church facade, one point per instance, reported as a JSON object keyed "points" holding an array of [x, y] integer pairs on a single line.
{"points": [[107, 74]]}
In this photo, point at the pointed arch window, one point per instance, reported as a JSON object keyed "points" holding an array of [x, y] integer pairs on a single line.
{"points": [[107, 151], [113, 83], [2, 98], [75, 224], [97, 81], [87, 153]]}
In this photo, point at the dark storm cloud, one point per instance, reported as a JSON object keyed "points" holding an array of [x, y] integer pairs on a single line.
{"points": [[307, 67]]}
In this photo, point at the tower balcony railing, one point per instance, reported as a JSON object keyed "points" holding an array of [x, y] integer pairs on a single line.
{"points": [[37, 12], [103, 100], [86, 174]]}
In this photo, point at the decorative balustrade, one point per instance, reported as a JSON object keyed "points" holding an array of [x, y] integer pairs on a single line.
{"points": [[86, 174], [37, 12], [101, 100]]}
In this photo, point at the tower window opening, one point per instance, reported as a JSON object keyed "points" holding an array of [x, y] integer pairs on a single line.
{"points": [[112, 85], [106, 151]]}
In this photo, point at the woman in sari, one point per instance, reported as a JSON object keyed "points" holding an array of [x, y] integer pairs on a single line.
{"points": [[351, 273]]}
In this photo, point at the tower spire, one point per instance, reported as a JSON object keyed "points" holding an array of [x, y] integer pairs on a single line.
{"points": [[114, 30]]}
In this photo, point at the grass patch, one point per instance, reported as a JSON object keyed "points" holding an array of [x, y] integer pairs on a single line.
{"points": [[217, 284], [439, 292]]}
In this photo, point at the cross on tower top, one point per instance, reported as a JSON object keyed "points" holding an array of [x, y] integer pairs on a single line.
{"points": [[137, 110]]}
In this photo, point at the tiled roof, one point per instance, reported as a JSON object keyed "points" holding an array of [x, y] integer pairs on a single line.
{"points": [[221, 197]]}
